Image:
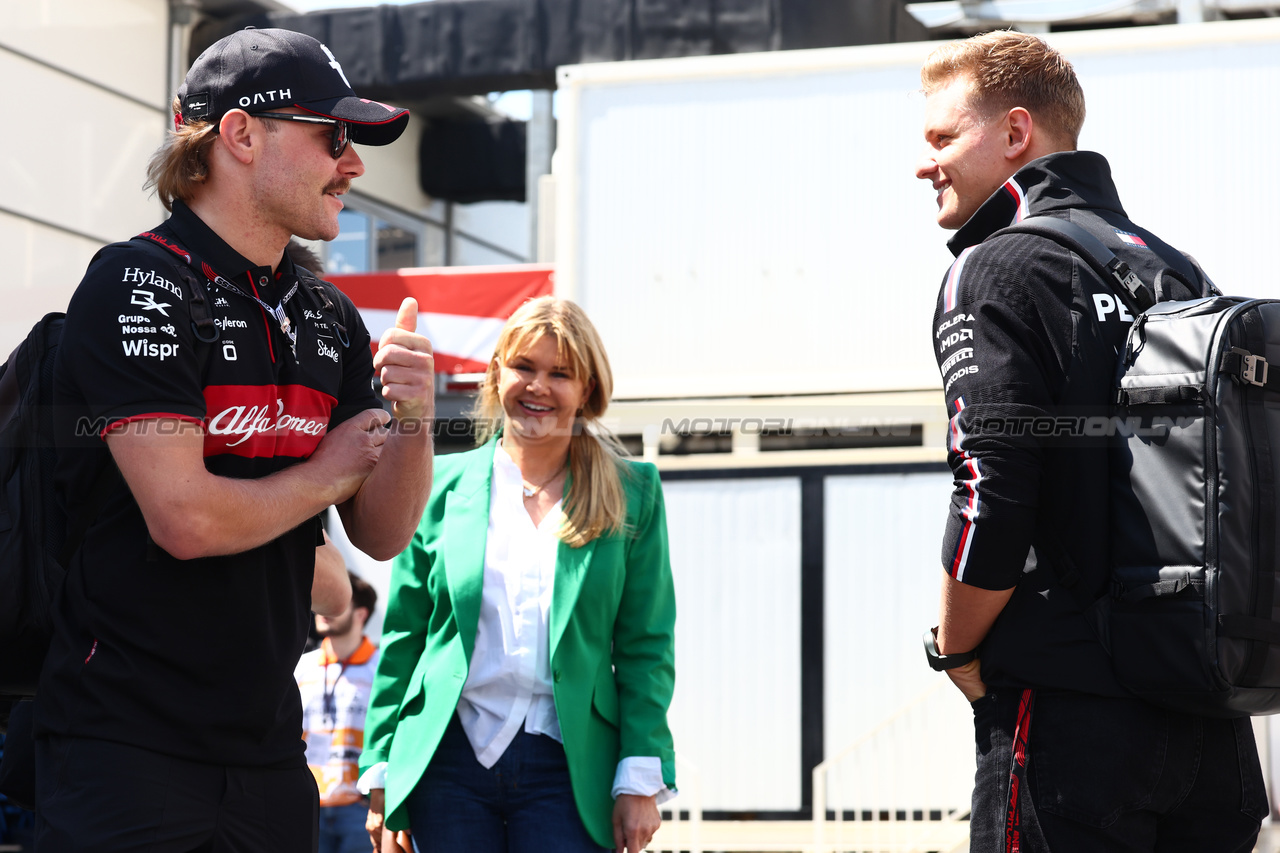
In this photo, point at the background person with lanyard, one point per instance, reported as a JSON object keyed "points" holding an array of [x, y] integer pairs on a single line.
{"points": [[335, 681]]}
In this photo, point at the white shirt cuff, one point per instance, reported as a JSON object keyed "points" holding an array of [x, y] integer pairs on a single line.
{"points": [[640, 775], [374, 777]]}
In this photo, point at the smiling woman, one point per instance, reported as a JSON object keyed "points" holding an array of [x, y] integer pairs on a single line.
{"points": [[546, 685], [545, 389]]}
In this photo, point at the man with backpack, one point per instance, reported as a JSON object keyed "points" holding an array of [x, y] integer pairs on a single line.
{"points": [[223, 396], [1027, 336]]}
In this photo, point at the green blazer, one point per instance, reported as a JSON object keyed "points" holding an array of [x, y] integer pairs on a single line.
{"points": [[612, 633]]}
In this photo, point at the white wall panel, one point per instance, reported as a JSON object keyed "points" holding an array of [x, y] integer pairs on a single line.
{"points": [[758, 223], [42, 267], [83, 163], [122, 44], [883, 573], [735, 553], [79, 164]]}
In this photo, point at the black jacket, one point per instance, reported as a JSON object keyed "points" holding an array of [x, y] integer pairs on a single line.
{"points": [[1026, 336]]}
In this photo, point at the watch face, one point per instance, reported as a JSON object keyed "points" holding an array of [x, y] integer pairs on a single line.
{"points": [[931, 650]]}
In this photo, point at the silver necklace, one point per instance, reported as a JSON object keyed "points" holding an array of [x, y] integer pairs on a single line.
{"points": [[530, 491]]}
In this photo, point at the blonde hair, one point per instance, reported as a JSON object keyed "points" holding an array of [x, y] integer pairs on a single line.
{"points": [[595, 503], [182, 163], [179, 166], [1008, 69]]}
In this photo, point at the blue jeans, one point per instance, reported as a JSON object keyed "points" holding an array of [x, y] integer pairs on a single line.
{"points": [[1113, 776], [342, 829], [523, 804]]}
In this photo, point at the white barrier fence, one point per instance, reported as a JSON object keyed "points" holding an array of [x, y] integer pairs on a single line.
{"points": [[902, 787]]}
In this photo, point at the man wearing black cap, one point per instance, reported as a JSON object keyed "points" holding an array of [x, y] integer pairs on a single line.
{"points": [[232, 392]]}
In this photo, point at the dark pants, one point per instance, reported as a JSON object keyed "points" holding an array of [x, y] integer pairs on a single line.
{"points": [[1112, 776], [523, 804], [97, 796], [342, 829]]}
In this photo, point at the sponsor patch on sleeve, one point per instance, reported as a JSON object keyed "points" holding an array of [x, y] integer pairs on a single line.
{"points": [[954, 355]]}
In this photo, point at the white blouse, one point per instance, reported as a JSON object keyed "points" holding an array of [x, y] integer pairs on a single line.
{"points": [[509, 681]]}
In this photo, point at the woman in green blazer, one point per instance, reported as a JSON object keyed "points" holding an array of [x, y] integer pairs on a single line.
{"points": [[528, 647]]}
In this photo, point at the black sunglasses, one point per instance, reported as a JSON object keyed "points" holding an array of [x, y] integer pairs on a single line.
{"points": [[341, 129]]}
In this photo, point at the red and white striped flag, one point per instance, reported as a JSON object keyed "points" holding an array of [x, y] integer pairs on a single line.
{"points": [[461, 309]]}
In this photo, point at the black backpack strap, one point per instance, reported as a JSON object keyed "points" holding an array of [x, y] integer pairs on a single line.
{"points": [[316, 287], [202, 323], [1167, 279], [1064, 232]]}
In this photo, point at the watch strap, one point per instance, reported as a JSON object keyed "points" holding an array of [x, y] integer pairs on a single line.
{"points": [[940, 662]]}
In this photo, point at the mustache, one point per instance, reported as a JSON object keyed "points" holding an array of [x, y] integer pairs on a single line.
{"points": [[339, 186]]}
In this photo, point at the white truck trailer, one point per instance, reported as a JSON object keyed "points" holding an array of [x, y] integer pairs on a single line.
{"points": [[751, 224]]}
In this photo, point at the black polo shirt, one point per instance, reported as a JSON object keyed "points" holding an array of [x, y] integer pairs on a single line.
{"points": [[192, 658]]}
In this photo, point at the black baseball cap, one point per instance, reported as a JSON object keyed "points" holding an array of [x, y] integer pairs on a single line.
{"points": [[271, 69]]}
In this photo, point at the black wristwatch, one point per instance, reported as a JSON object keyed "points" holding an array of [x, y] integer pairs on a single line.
{"points": [[941, 662]]}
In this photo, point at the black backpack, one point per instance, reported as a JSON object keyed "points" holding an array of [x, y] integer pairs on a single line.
{"points": [[1192, 617], [37, 539], [33, 526]]}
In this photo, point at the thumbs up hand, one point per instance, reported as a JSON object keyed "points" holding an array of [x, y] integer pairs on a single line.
{"points": [[406, 368]]}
